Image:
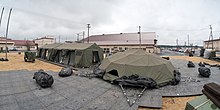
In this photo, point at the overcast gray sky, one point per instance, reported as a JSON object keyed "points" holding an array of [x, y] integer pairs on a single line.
{"points": [[170, 19]]}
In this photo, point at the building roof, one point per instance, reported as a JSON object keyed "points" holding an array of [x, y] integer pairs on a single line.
{"points": [[212, 40], [19, 42], [46, 37], [23, 42], [3, 38], [122, 38]]}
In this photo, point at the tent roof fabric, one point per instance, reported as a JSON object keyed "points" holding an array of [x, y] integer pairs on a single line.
{"points": [[50, 46], [136, 61], [75, 46], [136, 58], [69, 46]]}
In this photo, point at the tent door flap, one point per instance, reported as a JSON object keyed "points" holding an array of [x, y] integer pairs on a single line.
{"points": [[95, 57]]}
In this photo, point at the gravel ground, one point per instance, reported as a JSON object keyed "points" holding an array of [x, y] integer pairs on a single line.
{"points": [[16, 62]]}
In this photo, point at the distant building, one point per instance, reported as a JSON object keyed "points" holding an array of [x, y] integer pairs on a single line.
{"points": [[45, 40], [20, 45], [10, 44], [24, 45], [208, 44], [112, 43]]}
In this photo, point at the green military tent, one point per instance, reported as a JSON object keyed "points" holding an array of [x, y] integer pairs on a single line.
{"points": [[73, 54], [45, 50], [138, 62]]}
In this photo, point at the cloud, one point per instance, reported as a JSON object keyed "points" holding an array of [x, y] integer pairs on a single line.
{"points": [[171, 19]]}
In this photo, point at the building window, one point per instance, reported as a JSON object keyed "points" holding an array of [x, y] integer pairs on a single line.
{"points": [[120, 48]]}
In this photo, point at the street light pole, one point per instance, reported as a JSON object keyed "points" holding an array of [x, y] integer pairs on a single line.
{"points": [[1, 16]]}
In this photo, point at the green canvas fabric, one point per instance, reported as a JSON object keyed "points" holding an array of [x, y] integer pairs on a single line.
{"points": [[138, 62], [50, 46], [63, 53]]}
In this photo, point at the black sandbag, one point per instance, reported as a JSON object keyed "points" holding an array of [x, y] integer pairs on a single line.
{"points": [[201, 64], [204, 71], [43, 79], [212, 97], [136, 81], [167, 58], [215, 65], [206, 63], [177, 77], [190, 64], [64, 72], [3, 59]]}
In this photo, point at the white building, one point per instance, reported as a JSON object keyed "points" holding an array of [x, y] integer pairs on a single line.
{"points": [[20, 45], [112, 43], [216, 44], [45, 40]]}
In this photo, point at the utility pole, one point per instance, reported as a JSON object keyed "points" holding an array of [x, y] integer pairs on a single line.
{"points": [[139, 27], [88, 26], [210, 37], [158, 39], [83, 35], [77, 36], [9, 15], [188, 39], [59, 39], [177, 42], [1, 16]]}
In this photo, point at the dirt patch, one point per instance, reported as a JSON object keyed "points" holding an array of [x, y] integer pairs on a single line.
{"points": [[16, 62], [195, 59]]}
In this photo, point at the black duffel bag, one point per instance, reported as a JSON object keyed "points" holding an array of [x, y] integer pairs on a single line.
{"points": [[136, 81], [43, 79], [190, 64], [204, 71], [177, 77], [65, 72], [201, 64]]}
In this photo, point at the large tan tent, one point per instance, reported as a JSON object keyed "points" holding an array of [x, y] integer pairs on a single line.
{"points": [[73, 54], [137, 62]]}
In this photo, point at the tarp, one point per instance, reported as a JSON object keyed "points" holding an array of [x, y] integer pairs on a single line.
{"points": [[137, 62]]}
